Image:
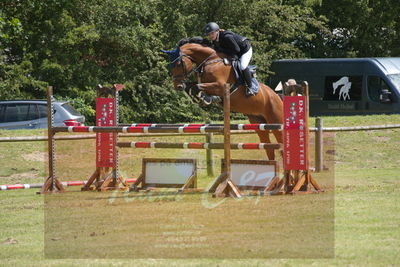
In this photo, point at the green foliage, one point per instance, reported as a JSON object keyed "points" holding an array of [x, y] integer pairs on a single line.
{"points": [[362, 28], [76, 44]]}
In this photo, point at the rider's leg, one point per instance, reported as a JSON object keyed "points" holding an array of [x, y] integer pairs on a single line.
{"points": [[247, 77], [244, 66]]}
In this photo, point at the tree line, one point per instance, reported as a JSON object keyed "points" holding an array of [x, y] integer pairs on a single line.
{"points": [[74, 45]]}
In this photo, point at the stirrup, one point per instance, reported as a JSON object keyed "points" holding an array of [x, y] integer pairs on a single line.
{"points": [[249, 92]]}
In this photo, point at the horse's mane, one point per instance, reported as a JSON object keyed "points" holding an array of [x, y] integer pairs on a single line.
{"points": [[195, 40]]}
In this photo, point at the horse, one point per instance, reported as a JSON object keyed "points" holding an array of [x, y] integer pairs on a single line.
{"points": [[213, 72], [344, 90]]}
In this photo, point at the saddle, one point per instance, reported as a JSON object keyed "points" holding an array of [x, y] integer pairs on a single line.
{"points": [[240, 80]]}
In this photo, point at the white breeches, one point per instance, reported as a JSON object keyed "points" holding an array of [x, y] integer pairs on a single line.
{"points": [[245, 59]]}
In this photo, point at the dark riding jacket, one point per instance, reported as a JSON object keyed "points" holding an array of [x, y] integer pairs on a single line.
{"points": [[231, 44]]}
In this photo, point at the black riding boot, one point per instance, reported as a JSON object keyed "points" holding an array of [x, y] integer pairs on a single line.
{"points": [[247, 79]]}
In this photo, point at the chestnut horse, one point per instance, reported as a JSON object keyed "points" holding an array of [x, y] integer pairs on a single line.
{"points": [[213, 73]]}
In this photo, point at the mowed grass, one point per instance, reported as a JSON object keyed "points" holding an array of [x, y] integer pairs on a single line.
{"points": [[356, 222]]}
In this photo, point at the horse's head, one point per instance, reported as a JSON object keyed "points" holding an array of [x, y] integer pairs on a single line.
{"points": [[180, 66], [188, 51]]}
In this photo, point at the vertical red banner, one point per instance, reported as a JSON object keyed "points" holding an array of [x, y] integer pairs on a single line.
{"points": [[295, 142], [106, 154]]}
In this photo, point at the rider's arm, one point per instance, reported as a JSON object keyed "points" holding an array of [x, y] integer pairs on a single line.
{"points": [[230, 46]]}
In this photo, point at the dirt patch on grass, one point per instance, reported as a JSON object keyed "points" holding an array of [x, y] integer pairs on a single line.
{"points": [[36, 156], [382, 138], [19, 177]]}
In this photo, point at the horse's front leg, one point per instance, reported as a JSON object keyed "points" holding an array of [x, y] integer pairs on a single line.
{"points": [[200, 96], [213, 88]]}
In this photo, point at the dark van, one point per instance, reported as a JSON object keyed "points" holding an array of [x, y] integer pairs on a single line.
{"points": [[344, 86]]}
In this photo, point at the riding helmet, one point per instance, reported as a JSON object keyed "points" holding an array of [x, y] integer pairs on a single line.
{"points": [[211, 27]]}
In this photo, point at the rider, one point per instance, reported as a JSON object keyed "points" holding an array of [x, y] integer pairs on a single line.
{"points": [[232, 45]]}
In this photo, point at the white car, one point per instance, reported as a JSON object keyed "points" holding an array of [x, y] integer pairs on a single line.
{"points": [[32, 114]]}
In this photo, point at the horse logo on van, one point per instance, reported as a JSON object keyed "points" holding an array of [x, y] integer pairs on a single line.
{"points": [[344, 90]]}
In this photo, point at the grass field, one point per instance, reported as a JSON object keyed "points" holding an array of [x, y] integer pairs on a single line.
{"points": [[356, 222]]}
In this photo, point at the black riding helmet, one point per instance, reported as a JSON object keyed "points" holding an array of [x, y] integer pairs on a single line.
{"points": [[211, 27]]}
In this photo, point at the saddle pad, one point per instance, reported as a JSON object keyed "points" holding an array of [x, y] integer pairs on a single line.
{"points": [[254, 83]]}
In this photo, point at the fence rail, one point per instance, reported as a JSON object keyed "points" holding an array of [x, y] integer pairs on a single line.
{"points": [[93, 136], [359, 128], [318, 129]]}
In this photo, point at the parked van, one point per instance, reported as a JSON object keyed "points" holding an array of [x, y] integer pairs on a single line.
{"points": [[345, 86]]}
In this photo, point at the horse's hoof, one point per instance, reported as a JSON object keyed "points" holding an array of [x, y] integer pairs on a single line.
{"points": [[216, 99], [206, 103]]}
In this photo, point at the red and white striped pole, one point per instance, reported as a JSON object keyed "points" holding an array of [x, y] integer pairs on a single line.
{"points": [[40, 185], [198, 145], [202, 128]]}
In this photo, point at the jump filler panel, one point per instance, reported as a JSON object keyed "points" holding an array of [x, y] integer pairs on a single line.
{"points": [[261, 175], [167, 173]]}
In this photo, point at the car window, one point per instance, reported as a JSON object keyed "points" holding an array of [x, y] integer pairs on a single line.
{"points": [[42, 111], [16, 112], [70, 109], [2, 108], [33, 113], [375, 86]]}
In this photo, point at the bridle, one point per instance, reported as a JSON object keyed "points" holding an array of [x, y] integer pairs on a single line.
{"points": [[184, 78]]}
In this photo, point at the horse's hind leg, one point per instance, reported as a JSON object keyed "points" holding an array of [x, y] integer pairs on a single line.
{"points": [[263, 135], [279, 138], [273, 113]]}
